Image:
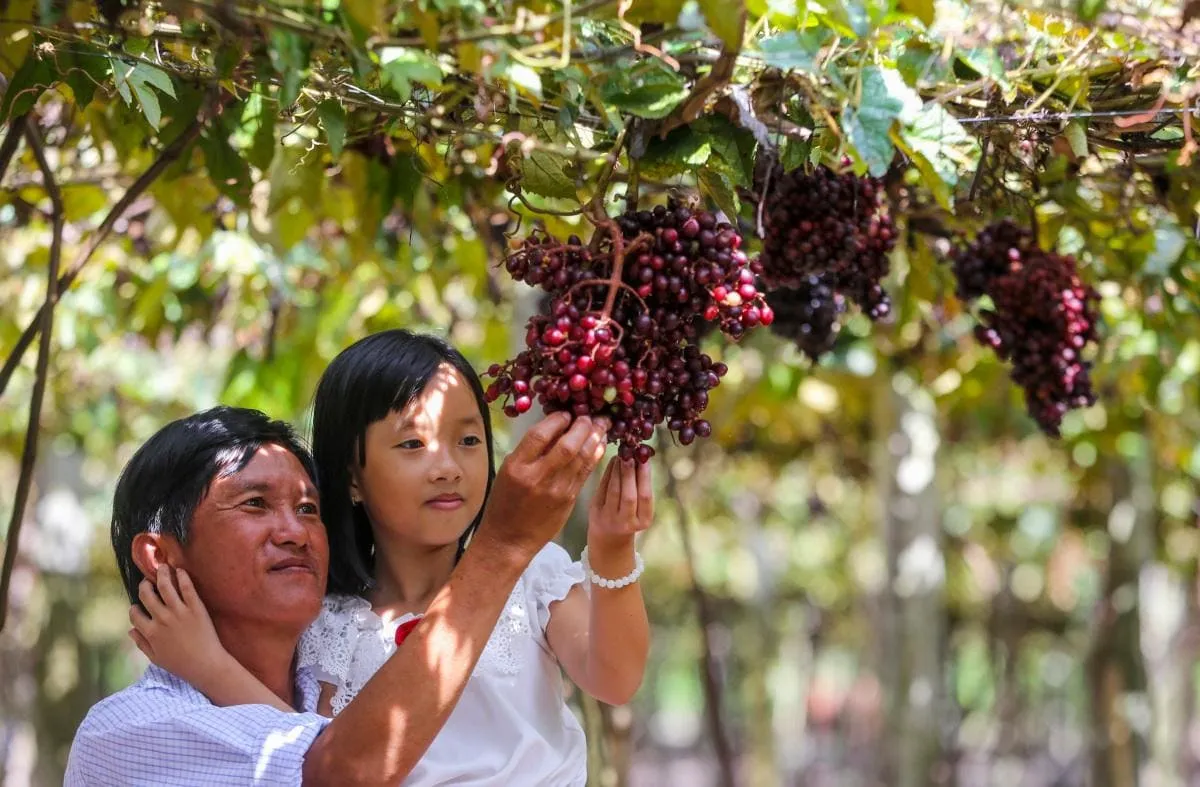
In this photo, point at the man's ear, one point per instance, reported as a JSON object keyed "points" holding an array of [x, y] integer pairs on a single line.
{"points": [[151, 550]]}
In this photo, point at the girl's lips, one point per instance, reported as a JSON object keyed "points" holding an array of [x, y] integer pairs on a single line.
{"points": [[445, 503]]}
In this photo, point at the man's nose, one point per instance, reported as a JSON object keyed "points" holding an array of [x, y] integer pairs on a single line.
{"points": [[290, 529]]}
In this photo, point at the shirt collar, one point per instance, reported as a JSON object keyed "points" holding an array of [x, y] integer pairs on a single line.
{"points": [[308, 691]]}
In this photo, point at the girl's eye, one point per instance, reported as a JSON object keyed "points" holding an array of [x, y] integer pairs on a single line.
{"points": [[410, 444], [472, 440]]}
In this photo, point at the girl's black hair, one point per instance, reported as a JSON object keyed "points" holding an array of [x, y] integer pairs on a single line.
{"points": [[374, 376]]}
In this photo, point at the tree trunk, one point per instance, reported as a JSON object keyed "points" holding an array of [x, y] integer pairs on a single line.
{"points": [[1116, 671], [911, 609]]}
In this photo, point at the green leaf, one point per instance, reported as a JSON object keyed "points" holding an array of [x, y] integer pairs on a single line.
{"points": [[261, 119], [791, 51], [943, 146], [333, 119], [682, 151], [726, 18], [523, 77], [226, 169], [543, 173], [666, 11], [921, 9], [141, 80], [27, 84], [732, 147], [717, 186], [652, 90], [403, 66], [149, 75], [987, 63], [1076, 132], [87, 70], [1090, 9], [289, 54], [149, 101], [1169, 243], [885, 97]]}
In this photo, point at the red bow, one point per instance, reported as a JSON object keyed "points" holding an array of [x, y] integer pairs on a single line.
{"points": [[404, 629]]}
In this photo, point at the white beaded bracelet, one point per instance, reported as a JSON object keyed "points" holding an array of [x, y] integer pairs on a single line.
{"points": [[638, 567]]}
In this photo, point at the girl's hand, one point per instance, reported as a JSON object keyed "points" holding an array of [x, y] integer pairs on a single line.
{"points": [[177, 634], [622, 506]]}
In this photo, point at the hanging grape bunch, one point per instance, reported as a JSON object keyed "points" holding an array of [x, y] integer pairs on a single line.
{"points": [[618, 336], [994, 250], [822, 223], [1044, 316], [807, 314]]}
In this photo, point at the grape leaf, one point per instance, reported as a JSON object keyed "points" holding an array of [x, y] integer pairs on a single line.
{"points": [[333, 119], [403, 66], [718, 187], [651, 90], [543, 173], [682, 151], [35, 75], [885, 98], [791, 50], [726, 18]]}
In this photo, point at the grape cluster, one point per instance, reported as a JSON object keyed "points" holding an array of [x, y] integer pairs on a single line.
{"points": [[807, 314], [1043, 317], [625, 347], [823, 223], [994, 251]]}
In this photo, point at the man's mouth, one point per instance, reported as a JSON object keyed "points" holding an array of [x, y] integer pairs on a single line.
{"points": [[294, 565]]}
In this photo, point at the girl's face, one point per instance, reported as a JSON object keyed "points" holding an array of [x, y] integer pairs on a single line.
{"points": [[427, 465]]}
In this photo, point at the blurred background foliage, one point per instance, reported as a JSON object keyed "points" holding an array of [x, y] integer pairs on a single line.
{"points": [[876, 572]]}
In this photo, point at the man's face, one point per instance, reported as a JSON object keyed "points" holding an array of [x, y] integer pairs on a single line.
{"points": [[257, 550]]}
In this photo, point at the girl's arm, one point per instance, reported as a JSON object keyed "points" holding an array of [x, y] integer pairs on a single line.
{"points": [[178, 636], [602, 641]]}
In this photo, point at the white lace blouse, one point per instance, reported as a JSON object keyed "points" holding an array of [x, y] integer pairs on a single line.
{"points": [[511, 725]]}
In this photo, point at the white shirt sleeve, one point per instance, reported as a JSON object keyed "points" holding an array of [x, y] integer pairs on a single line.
{"points": [[551, 575], [153, 739]]}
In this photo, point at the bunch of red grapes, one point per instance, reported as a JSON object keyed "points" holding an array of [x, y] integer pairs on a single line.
{"points": [[826, 239], [625, 347], [1043, 317]]}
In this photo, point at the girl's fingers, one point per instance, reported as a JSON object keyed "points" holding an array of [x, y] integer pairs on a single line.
{"points": [[612, 491], [187, 590], [139, 619], [149, 598], [645, 491], [601, 494], [629, 492], [142, 643], [166, 586]]}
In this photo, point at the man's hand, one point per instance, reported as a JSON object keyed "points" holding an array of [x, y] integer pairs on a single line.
{"points": [[538, 483]]}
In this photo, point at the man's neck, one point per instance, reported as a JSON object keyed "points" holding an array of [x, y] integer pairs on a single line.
{"points": [[267, 653]]}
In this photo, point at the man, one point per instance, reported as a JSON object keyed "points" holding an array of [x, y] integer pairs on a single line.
{"points": [[228, 495]]}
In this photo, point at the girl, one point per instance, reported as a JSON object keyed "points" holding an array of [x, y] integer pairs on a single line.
{"points": [[403, 447]]}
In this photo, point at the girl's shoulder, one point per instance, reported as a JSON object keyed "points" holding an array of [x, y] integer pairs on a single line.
{"points": [[344, 612]]}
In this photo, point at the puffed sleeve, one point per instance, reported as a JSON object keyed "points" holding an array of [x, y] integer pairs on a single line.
{"points": [[327, 647], [551, 575]]}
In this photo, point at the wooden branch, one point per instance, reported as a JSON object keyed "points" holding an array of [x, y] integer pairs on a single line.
{"points": [[12, 139], [169, 154], [717, 77], [29, 455], [708, 677]]}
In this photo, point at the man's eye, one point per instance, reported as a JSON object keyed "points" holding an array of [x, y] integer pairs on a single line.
{"points": [[255, 502], [309, 509], [472, 440]]}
